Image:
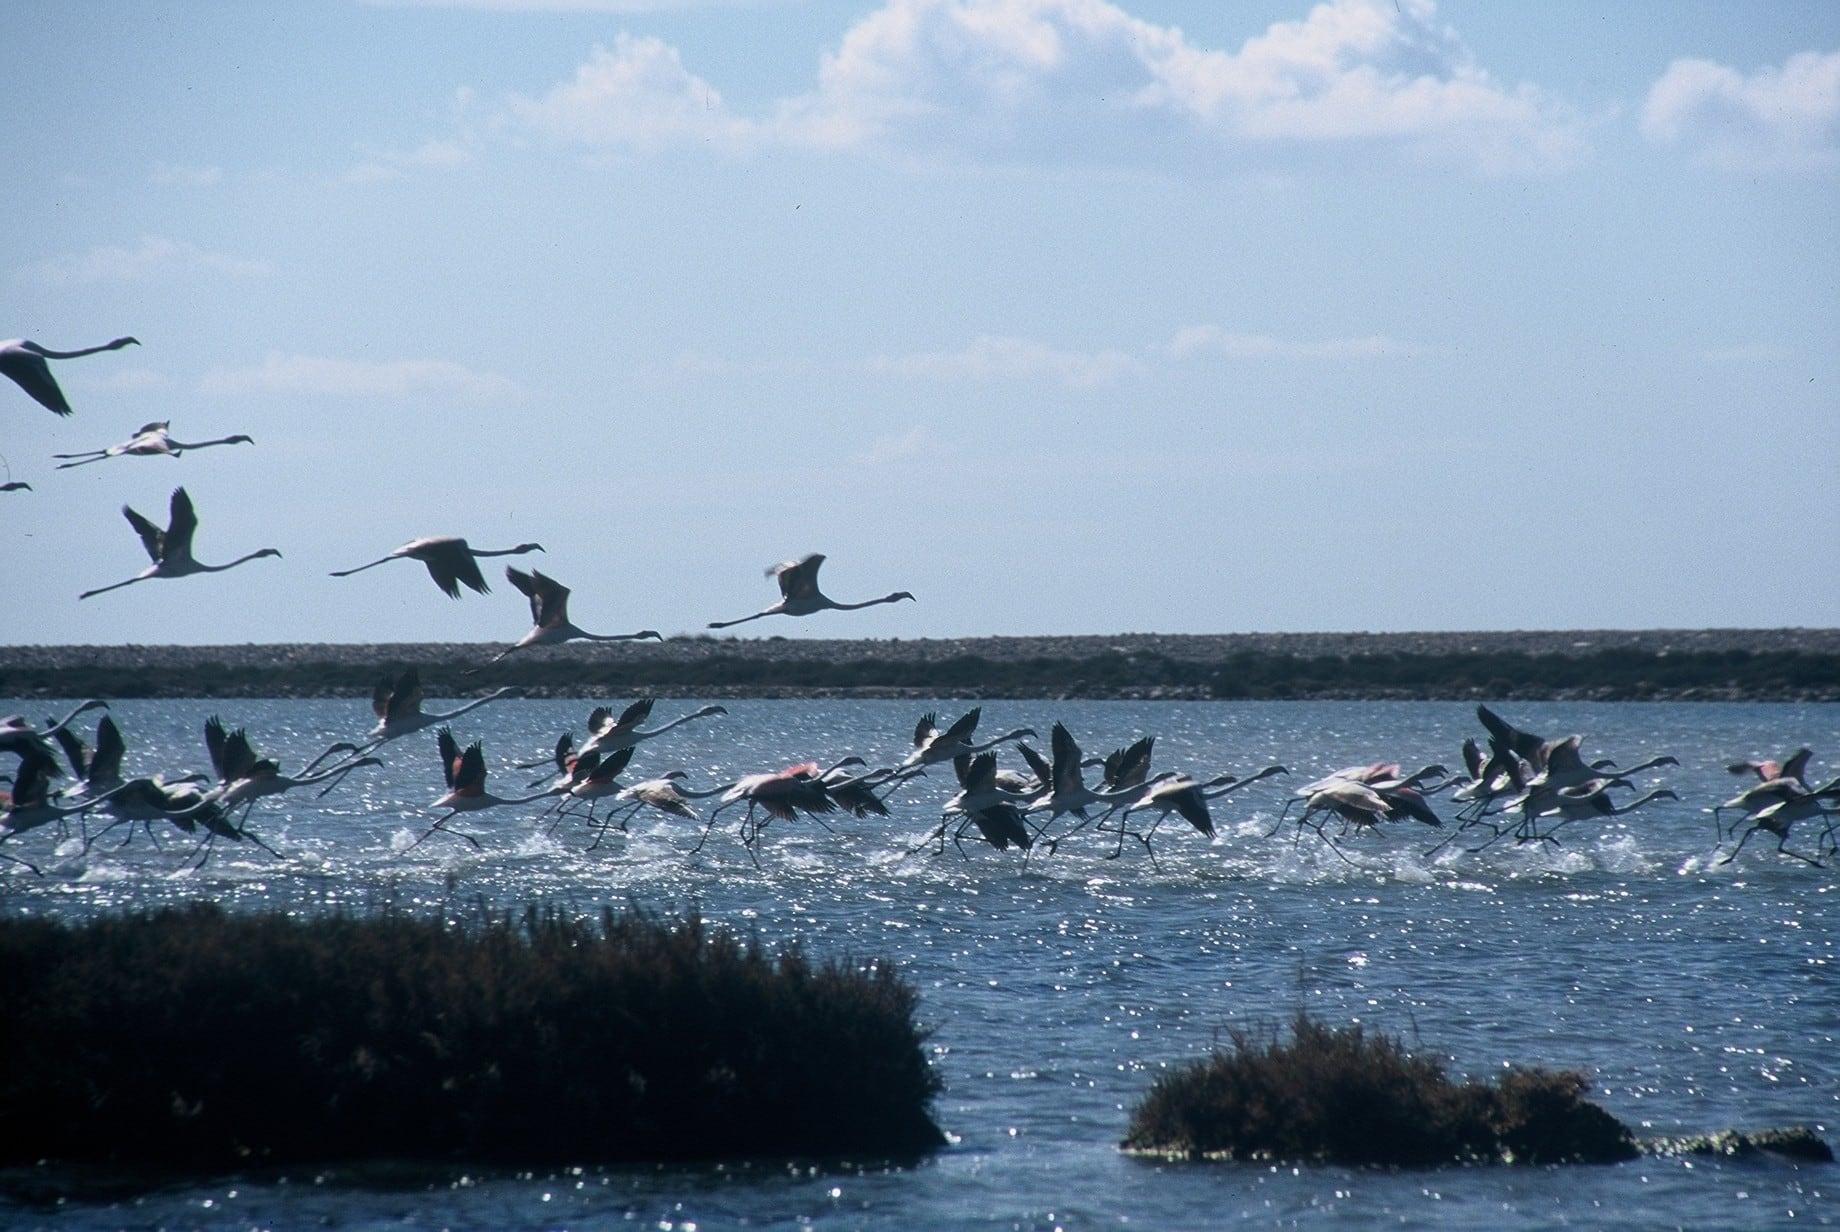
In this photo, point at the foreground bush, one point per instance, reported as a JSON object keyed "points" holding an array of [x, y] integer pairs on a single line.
{"points": [[202, 1039], [1345, 1096]]}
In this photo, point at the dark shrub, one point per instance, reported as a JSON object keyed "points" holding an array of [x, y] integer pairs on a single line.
{"points": [[1345, 1096], [199, 1038]]}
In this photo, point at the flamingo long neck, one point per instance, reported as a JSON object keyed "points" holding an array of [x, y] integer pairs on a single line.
{"points": [[233, 564], [850, 607], [615, 637], [116, 345]]}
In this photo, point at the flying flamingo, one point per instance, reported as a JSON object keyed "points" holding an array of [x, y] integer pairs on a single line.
{"points": [[779, 793], [667, 794], [1778, 817], [171, 549], [243, 777], [19, 737], [465, 774], [607, 734], [549, 608], [932, 745], [1188, 798], [983, 804], [30, 805], [152, 440], [398, 707], [1067, 790], [799, 594], [450, 560], [24, 362]]}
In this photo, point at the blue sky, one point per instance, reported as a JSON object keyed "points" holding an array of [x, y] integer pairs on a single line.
{"points": [[1066, 316]]}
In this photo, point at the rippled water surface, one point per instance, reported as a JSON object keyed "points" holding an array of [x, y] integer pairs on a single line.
{"points": [[1698, 996]]}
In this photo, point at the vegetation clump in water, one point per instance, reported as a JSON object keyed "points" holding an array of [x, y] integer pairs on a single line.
{"points": [[1346, 1096], [199, 1039]]}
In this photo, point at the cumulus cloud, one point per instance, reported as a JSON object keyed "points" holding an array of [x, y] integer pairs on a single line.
{"points": [[1084, 80], [1197, 340], [1775, 119], [351, 378], [155, 257], [940, 72], [1003, 358], [638, 95]]}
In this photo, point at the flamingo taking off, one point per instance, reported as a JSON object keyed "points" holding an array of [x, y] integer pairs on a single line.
{"points": [[799, 594], [151, 441], [549, 608], [171, 549], [398, 706], [243, 777], [450, 559], [24, 361], [465, 774], [934, 745], [608, 734]]}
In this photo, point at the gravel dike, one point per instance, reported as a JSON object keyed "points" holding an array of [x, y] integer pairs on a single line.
{"points": [[1711, 664]]}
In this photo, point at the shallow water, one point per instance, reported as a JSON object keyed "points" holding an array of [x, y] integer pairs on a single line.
{"points": [[1697, 996]]}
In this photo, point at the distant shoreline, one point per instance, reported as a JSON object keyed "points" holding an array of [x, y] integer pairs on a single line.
{"points": [[1686, 664]]}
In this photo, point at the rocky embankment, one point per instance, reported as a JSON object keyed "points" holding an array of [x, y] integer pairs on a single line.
{"points": [[1696, 664]]}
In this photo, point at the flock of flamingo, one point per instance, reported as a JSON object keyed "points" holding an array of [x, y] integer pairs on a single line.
{"points": [[1515, 784], [451, 561]]}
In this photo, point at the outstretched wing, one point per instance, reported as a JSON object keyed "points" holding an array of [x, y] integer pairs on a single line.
{"points": [[450, 755], [181, 523], [636, 713], [152, 537], [528, 584], [799, 579], [961, 729]]}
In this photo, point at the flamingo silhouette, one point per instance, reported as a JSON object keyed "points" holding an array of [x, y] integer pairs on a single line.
{"points": [[465, 774], [549, 608], [171, 549], [398, 707], [608, 735], [150, 441], [24, 361], [450, 560], [799, 594], [934, 745]]}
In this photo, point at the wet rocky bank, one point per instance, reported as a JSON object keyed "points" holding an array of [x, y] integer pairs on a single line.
{"points": [[1689, 664]]}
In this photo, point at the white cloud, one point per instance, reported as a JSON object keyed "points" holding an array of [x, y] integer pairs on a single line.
{"points": [[1020, 73], [156, 257], [1784, 118], [638, 95], [351, 378], [1002, 358], [1082, 80], [1213, 340]]}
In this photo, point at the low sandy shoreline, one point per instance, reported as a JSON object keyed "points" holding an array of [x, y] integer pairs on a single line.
{"points": [[1720, 664]]}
